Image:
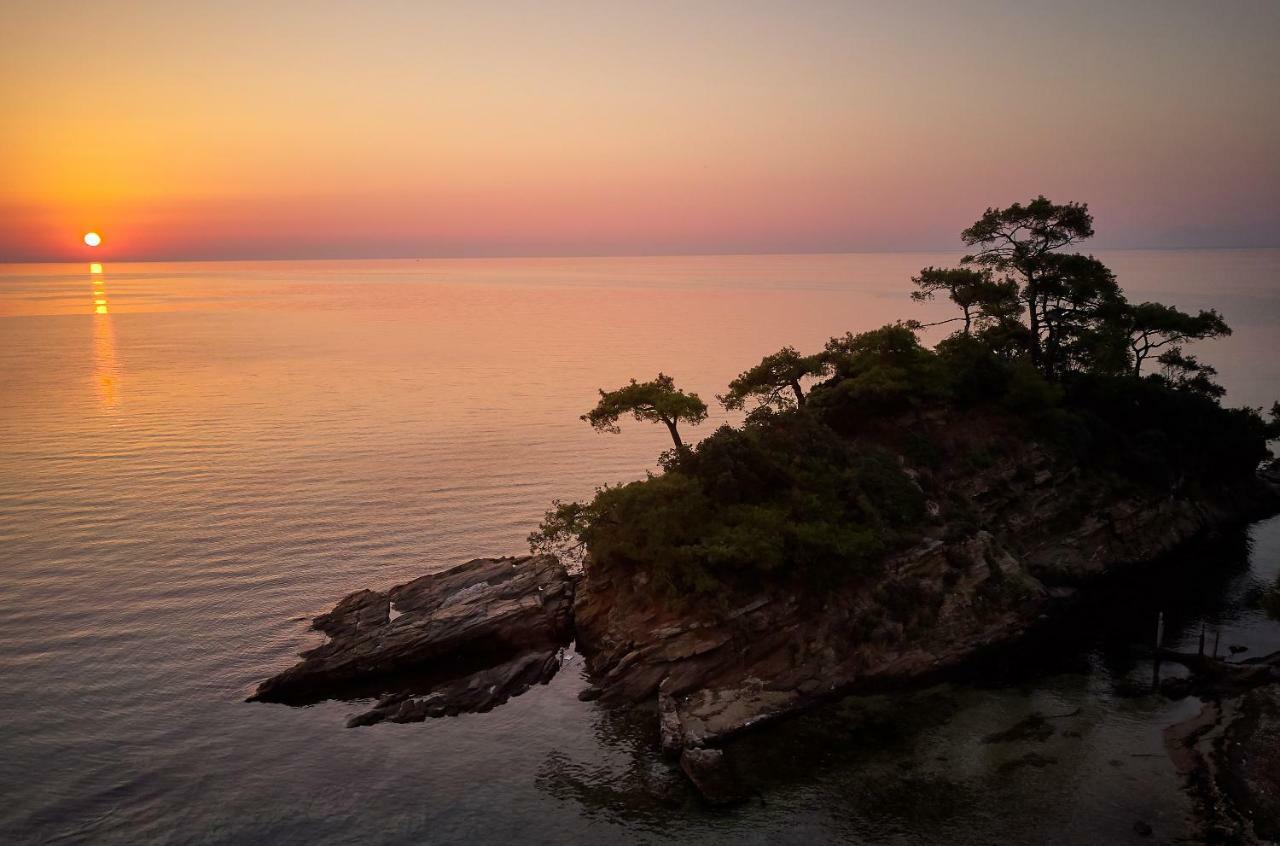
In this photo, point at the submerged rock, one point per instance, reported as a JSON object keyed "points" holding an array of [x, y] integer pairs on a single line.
{"points": [[1249, 761], [466, 639], [1229, 753], [712, 775]]}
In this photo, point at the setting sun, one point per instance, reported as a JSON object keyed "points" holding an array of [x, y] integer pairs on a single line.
{"points": [[93, 239]]}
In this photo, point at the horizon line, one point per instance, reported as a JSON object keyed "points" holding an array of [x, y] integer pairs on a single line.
{"points": [[490, 257]]}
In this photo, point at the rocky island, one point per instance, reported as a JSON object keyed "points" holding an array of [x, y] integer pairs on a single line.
{"points": [[885, 513]]}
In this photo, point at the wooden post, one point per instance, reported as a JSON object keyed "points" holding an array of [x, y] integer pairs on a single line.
{"points": [[1155, 667], [1217, 635], [1201, 650]]}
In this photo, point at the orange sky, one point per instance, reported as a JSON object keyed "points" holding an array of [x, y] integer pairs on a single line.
{"points": [[317, 129]]}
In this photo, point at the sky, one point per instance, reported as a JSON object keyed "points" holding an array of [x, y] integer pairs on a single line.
{"points": [[184, 130]]}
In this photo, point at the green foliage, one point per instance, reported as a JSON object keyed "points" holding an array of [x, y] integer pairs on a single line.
{"points": [[770, 381], [877, 373], [1028, 392], [657, 401], [778, 502]]}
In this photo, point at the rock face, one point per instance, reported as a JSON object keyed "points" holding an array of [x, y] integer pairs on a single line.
{"points": [[1011, 539], [465, 639]]}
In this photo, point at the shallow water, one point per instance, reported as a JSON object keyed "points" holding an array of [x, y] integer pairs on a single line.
{"points": [[196, 458]]}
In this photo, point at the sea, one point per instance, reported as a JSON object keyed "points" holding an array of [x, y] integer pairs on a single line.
{"points": [[197, 458]]}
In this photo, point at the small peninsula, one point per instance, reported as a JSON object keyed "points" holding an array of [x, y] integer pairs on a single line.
{"points": [[886, 513]]}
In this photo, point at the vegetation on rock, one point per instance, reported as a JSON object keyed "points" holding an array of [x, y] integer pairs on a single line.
{"points": [[817, 485]]}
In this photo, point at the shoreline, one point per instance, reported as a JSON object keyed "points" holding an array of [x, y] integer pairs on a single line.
{"points": [[506, 634]]}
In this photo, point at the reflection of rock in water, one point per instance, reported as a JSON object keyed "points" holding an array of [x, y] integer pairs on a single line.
{"points": [[875, 755], [477, 692], [1270, 601], [633, 784], [857, 748]]}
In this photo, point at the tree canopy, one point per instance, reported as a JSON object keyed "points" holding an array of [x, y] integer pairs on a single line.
{"points": [[1017, 237], [1077, 318], [656, 401], [820, 482], [1018, 240], [1152, 326], [981, 299], [769, 381], [877, 372]]}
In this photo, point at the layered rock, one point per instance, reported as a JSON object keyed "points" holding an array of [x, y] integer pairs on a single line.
{"points": [[1007, 542], [463, 639]]}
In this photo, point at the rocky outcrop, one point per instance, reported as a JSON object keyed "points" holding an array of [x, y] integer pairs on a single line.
{"points": [[465, 639], [1012, 533], [716, 675], [1009, 540]]}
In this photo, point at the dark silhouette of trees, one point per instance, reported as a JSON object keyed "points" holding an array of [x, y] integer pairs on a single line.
{"points": [[657, 401], [1189, 373], [1076, 298], [982, 300], [769, 380], [1017, 241], [878, 372], [1153, 326], [1077, 316], [814, 487]]}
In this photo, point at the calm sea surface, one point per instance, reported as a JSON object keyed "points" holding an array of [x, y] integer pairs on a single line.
{"points": [[197, 458]]}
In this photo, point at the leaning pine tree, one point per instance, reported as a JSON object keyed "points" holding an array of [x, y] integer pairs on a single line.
{"points": [[657, 401]]}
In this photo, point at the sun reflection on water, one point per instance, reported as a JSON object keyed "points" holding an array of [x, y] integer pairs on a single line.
{"points": [[106, 371]]}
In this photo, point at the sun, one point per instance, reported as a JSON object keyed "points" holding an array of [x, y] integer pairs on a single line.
{"points": [[93, 239]]}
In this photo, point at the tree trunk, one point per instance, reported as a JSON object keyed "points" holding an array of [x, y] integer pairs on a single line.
{"points": [[675, 434], [1033, 315], [795, 386]]}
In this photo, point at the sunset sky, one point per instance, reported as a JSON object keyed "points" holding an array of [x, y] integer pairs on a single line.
{"points": [[317, 129]]}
